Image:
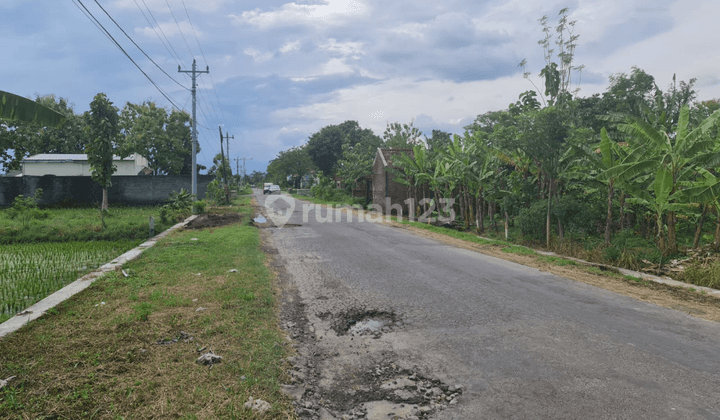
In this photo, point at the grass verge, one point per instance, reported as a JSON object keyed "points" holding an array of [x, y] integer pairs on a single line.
{"points": [[126, 347]]}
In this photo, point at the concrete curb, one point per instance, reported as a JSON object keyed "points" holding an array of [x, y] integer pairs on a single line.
{"points": [[37, 310], [643, 276]]}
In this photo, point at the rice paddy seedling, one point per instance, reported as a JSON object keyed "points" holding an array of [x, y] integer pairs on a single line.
{"points": [[30, 272]]}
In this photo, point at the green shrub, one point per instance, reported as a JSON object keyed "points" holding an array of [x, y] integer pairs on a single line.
{"points": [[215, 192], [25, 208], [199, 206], [179, 206], [578, 217], [531, 220]]}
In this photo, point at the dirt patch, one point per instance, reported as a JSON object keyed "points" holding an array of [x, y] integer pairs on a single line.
{"points": [[214, 220]]}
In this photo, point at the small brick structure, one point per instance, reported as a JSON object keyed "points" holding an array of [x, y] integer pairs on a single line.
{"points": [[386, 192]]}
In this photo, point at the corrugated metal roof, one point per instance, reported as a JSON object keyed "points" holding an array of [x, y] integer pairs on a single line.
{"points": [[51, 157]]}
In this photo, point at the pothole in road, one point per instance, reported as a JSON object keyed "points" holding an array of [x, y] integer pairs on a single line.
{"points": [[386, 391], [362, 322]]}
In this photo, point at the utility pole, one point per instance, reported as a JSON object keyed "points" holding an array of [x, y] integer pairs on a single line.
{"points": [[244, 159], [222, 154], [227, 142], [237, 170], [194, 73]]}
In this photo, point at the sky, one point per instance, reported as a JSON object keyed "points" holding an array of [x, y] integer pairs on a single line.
{"points": [[280, 71]]}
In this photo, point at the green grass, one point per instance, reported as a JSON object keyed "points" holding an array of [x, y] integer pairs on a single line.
{"points": [[83, 359], [30, 272], [82, 224], [561, 262], [516, 249]]}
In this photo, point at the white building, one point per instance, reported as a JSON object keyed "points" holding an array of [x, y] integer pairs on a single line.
{"points": [[78, 165]]}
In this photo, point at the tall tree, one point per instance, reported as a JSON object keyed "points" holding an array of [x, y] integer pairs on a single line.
{"points": [[19, 139], [104, 134], [218, 165], [558, 75], [325, 147], [164, 139], [402, 135], [357, 159], [290, 165]]}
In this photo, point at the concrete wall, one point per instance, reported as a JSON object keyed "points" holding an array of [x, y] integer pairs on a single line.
{"points": [[83, 191], [78, 168], [36, 166]]}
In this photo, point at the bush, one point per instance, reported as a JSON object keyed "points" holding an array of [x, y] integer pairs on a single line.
{"points": [[26, 208], [199, 206], [702, 275], [179, 206], [215, 192], [531, 220]]}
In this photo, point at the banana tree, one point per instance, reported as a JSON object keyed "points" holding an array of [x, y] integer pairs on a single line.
{"points": [[673, 158], [14, 107], [610, 155], [415, 171]]}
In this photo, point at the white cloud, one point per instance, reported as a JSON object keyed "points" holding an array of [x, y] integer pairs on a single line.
{"points": [[257, 55], [346, 49], [161, 6], [289, 47], [681, 50], [170, 29], [413, 30], [332, 12], [404, 99], [336, 66]]}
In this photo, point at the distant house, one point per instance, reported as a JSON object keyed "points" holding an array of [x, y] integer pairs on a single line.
{"points": [[78, 165], [385, 191]]}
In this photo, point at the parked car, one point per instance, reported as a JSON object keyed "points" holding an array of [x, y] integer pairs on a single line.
{"points": [[272, 189]]}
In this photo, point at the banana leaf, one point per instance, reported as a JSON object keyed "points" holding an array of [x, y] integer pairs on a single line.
{"points": [[14, 107]]}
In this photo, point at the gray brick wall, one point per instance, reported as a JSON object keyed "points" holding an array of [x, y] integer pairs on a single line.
{"points": [[83, 191]]}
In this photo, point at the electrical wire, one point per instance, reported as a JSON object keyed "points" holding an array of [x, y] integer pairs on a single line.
{"points": [[138, 47], [179, 29], [126, 54], [161, 30], [203, 55]]}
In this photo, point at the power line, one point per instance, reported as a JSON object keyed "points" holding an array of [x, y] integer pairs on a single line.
{"points": [[138, 47], [181, 32], [179, 60], [94, 23], [203, 54], [126, 54], [156, 33]]}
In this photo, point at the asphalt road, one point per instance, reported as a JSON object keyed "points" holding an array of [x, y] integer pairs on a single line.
{"points": [[522, 343]]}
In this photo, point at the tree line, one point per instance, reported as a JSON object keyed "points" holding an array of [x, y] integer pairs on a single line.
{"points": [[635, 157], [160, 135]]}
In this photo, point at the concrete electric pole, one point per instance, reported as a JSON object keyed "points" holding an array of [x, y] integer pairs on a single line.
{"points": [[194, 73]]}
